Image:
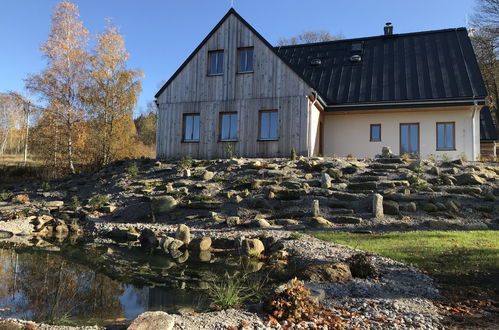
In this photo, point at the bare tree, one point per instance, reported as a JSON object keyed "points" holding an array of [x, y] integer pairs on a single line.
{"points": [[484, 34], [308, 37]]}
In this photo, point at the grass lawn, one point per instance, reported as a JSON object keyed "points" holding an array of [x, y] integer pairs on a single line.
{"points": [[462, 262]]}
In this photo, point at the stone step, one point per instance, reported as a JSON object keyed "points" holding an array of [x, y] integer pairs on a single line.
{"points": [[380, 166], [342, 211], [394, 160], [362, 186], [366, 178]]}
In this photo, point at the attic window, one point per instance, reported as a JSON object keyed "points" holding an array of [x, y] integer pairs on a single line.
{"points": [[355, 59], [316, 62]]}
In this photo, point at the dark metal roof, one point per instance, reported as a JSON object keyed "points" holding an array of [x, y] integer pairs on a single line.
{"points": [[431, 67], [487, 128]]}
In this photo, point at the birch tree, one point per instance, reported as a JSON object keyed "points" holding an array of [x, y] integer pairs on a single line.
{"points": [[112, 94], [61, 83]]}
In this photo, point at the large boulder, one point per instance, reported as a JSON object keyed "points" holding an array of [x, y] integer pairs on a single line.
{"points": [[183, 234], [326, 181], [148, 239], [391, 207], [153, 320], [335, 272], [163, 204], [319, 222], [378, 206], [252, 247], [200, 244], [469, 179]]}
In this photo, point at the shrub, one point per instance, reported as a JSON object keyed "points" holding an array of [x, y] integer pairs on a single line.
{"points": [[229, 150], [463, 157], [6, 195], [432, 157], [21, 199], [445, 157], [405, 156], [294, 302], [75, 203], [132, 169], [201, 198], [185, 163], [229, 292], [46, 186], [98, 201], [296, 236], [151, 185], [293, 154]]}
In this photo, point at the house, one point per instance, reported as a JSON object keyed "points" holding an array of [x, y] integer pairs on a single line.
{"points": [[488, 135], [418, 93]]}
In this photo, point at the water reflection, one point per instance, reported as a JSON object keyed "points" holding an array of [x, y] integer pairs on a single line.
{"points": [[90, 285]]}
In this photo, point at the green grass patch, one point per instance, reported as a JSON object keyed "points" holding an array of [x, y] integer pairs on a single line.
{"points": [[461, 260]]}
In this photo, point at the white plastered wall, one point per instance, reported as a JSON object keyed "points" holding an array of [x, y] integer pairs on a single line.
{"points": [[349, 134]]}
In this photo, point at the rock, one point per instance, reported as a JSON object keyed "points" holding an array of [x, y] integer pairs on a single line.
{"points": [[148, 239], [441, 224], [108, 208], [464, 190], [271, 195], [451, 206], [200, 244], [319, 222], [186, 173], [4, 234], [316, 210], [140, 211], [54, 204], [286, 222], [335, 173], [335, 272], [233, 221], [165, 243], [153, 320], [363, 186], [204, 256], [378, 206], [61, 228], [163, 204], [326, 181], [207, 175], [440, 206], [349, 169], [347, 220], [469, 179], [435, 170], [308, 176], [237, 199], [261, 223], [386, 152], [169, 187], [361, 266], [175, 245], [430, 207], [410, 207], [252, 247], [183, 234], [391, 207]]}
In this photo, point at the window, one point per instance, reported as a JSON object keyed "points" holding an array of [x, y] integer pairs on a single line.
{"points": [[216, 62], [245, 60], [375, 133], [191, 127], [269, 125], [445, 136], [409, 139], [228, 126]]}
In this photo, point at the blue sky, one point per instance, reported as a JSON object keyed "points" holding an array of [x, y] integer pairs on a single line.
{"points": [[160, 34]]}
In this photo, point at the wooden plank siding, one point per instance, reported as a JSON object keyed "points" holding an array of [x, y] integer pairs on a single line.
{"points": [[272, 85]]}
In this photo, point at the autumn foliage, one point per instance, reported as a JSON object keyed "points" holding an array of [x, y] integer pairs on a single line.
{"points": [[89, 95]]}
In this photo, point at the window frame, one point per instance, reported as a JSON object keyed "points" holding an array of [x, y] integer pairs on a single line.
{"points": [[220, 126], [412, 155], [371, 133], [239, 59], [216, 51], [260, 112], [445, 123], [184, 122]]}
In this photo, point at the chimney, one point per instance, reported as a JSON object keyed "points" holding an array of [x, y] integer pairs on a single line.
{"points": [[388, 29]]}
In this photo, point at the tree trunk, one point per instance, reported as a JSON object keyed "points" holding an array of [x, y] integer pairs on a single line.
{"points": [[26, 122]]}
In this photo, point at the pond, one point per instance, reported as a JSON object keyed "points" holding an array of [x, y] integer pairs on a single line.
{"points": [[111, 284]]}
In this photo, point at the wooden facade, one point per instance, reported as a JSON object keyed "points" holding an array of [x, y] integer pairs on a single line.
{"points": [[271, 86]]}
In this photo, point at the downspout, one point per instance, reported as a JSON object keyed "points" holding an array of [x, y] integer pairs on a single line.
{"points": [[475, 105], [309, 126]]}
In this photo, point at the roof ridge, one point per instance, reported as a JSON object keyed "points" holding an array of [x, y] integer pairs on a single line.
{"points": [[382, 36]]}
